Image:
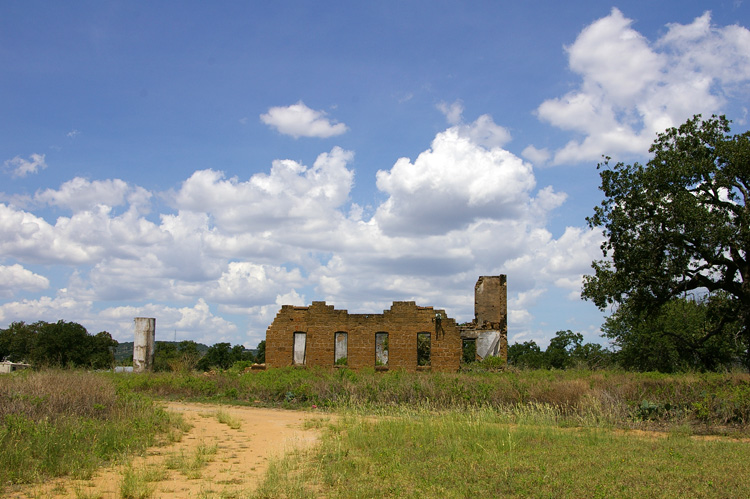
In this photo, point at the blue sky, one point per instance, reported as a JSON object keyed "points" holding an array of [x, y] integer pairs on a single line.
{"points": [[205, 163]]}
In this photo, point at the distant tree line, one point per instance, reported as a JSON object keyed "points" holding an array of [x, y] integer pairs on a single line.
{"points": [[565, 350], [185, 356], [68, 344], [674, 339], [682, 335], [63, 344]]}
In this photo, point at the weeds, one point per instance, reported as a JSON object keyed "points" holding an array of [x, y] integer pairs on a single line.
{"points": [[602, 398], [192, 465], [138, 484], [83, 494], [224, 417], [422, 455], [59, 422]]}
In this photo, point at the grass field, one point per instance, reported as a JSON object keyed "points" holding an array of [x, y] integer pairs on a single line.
{"points": [[398, 434], [478, 454], [65, 422], [508, 434], [706, 402]]}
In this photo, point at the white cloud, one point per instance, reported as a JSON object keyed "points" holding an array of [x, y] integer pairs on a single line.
{"points": [[298, 120], [195, 322], [291, 298], [536, 156], [80, 194], [290, 194], [237, 250], [20, 167], [453, 112], [46, 309], [451, 185], [484, 131], [31, 239], [249, 283], [15, 277], [632, 89]]}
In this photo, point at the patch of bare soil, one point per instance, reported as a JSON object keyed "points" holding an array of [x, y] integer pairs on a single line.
{"points": [[238, 457]]}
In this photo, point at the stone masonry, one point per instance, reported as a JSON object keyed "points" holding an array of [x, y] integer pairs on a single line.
{"points": [[309, 335], [489, 330]]}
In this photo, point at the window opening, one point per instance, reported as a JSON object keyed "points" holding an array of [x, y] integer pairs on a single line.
{"points": [[469, 351], [381, 349], [340, 348], [300, 343], [423, 349]]}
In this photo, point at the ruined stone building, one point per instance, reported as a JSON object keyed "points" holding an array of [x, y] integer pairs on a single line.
{"points": [[406, 336]]}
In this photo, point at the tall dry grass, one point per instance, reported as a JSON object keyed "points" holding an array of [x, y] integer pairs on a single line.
{"points": [[708, 401], [57, 394], [65, 422], [476, 453]]}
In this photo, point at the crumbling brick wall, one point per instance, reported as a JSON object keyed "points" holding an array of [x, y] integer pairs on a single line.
{"points": [[490, 301], [490, 325], [402, 322], [319, 323]]}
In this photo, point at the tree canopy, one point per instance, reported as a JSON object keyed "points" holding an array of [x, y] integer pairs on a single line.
{"points": [[170, 356], [674, 338], [57, 344], [564, 351], [223, 355], [678, 226]]}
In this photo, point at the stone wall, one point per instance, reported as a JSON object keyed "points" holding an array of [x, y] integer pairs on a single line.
{"points": [[402, 322], [490, 326], [320, 324], [490, 301]]}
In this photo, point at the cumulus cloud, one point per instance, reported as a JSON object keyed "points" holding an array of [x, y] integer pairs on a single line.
{"points": [[453, 112], [484, 131], [232, 251], [15, 277], [19, 167], [454, 183], [46, 308], [536, 156], [290, 193], [631, 88], [30, 238], [249, 283], [81, 194], [197, 322], [298, 120]]}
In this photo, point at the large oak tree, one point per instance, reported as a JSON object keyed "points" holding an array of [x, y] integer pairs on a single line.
{"points": [[678, 226]]}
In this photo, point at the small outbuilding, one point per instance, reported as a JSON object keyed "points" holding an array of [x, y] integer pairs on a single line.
{"points": [[7, 367]]}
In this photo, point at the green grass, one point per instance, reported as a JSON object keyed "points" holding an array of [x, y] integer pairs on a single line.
{"points": [[58, 422], [138, 483], [224, 417], [478, 454], [508, 433], [707, 402], [191, 465]]}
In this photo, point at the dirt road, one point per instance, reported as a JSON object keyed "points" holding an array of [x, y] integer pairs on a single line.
{"points": [[236, 451]]}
